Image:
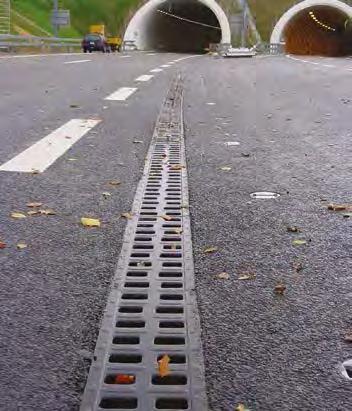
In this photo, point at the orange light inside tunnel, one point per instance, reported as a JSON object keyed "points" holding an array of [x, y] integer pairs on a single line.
{"points": [[318, 31]]}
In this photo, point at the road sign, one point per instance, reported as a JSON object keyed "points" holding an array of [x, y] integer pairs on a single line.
{"points": [[60, 18]]}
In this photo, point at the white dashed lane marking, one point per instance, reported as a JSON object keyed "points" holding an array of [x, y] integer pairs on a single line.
{"points": [[121, 94], [46, 151], [77, 61], [157, 70], [145, 77]]}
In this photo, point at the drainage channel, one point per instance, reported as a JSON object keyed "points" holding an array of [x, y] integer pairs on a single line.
{"points": [[152, 312]]}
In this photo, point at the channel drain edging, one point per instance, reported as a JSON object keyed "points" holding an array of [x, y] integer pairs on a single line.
{"points": [[153, 282]]}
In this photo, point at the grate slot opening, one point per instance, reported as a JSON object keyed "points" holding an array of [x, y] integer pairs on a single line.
{"points": [[171, 379], [171, 404], [145, 225], [171, 239], [146, 232], [137, 274], [171, 285], [162, 309], [122, 403], [130, 309], [140, 264], [136, 296], [171, 324], [143, 247], [169, 274], [173, 247], [125, 358], [172, 264], [169, 340], [125, 340], [140, 255], [143, 238], [171, 297], [130, 324]]}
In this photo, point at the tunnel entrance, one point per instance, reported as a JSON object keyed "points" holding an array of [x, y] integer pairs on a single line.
{"points": [[316, 27], [185, 26]]}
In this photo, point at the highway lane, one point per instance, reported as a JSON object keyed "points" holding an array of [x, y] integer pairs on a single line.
{"points": [[291, 121]]}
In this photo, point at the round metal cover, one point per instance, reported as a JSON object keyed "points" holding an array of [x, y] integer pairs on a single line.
{"points": [[264, 195]]}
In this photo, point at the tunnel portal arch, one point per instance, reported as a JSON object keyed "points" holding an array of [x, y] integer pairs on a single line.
{"points": [[285, 28], [140, 24]]}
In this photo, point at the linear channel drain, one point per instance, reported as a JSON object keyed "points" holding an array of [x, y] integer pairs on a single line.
{"points": [[151, 311]]}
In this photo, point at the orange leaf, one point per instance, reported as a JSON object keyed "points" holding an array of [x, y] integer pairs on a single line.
{"points": [[124, 379], [2, 245], [163, 366]]}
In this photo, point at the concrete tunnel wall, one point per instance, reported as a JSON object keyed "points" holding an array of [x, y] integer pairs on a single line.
{"points": [[302, 35], [148, 27]]}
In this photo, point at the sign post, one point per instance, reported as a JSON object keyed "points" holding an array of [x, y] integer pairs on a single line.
{"points": [[59, 18]]}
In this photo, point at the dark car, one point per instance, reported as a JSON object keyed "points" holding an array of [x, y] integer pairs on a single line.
{"points": [[95, 42]]}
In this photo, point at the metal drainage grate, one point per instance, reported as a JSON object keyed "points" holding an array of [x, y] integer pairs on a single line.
{"points": [[152, 310]]}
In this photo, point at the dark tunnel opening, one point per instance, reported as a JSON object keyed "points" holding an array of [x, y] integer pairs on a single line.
{"points": [[173, 27], [321, 30]]}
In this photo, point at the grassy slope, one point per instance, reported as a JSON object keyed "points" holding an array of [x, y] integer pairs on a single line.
{"points": [[267, 13]]}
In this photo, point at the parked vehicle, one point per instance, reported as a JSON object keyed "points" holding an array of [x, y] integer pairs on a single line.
{"points": [[95, 42]]}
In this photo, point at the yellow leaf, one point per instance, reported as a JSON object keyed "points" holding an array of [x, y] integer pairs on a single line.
{"points": [[223, 276], [90, 222], [166, 217], [177, 167], [241, 407], [226, 168], [21, 246], [34, 205], [299, 242], [33, 212], [211, 250], [72, 159], [128, 216], [163, 366], [15, 214]]}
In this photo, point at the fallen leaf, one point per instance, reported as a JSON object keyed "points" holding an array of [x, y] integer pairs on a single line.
{"points": [[18, 215], [163, 366], [245, 155], [34, 171], [299, 242], [173, 247], [177, 167], [2, 245], [293, 229], [248, 276], [241, 407], [166, 217], [124, 379], [47, 211], [90, 222], [211, 250], [298, 266], [347, 215], [106, 194], [21, 246], [340, 207], [128, 216], [226, 168], [348, 337], [223, 276], [33, 212], [72, 159], [178, 230], [137, 141], [114, 182], [280, 288], [34, 205]]}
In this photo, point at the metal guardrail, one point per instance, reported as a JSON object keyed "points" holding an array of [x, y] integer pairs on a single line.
{"points": [[11, 42]]}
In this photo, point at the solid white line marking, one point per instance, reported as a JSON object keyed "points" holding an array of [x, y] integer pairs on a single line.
{"points": [[157, 70], [165, 65], [46, 151], [145, 77], [23, 56], [122, 94], [76, 61]]}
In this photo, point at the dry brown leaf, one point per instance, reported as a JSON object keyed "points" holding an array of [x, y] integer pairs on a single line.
{"points": [[90, 222], [2, 245], [240, 407], [178, 230], [17, 215], [163, 366], [210, 250], [47, 211], [340, 207], [21, 246], [166, 217], [34, 205], [173, 247], [177, 167], [128, 216], [298, 266], [280, 288], [247, 276], [293, 229], [33, 212], [223, 276], [114, 182], [348, 337]]}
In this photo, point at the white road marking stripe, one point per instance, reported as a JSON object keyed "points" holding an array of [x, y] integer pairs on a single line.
{"points": [[76, 61], [124, 57], [144, 77], [157, 70], [165, 65], [23, 56], [46, 151], [122, 94], [328, 65], [151, 54]]}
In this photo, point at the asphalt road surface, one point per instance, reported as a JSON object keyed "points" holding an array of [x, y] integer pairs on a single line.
{"points": [[288, 122]]}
